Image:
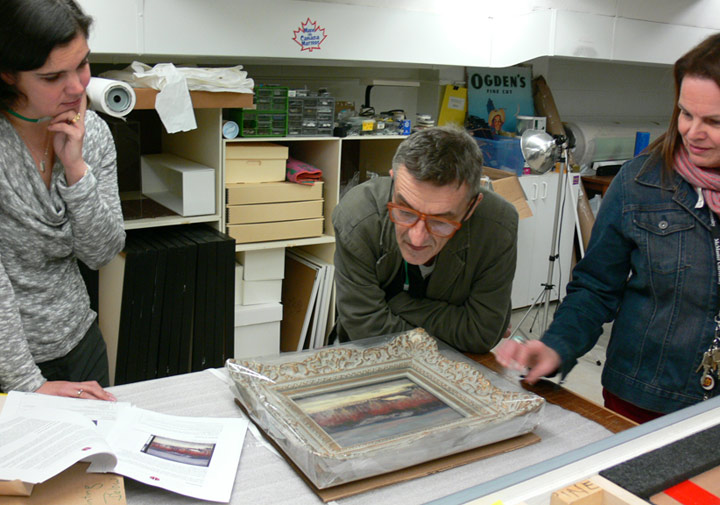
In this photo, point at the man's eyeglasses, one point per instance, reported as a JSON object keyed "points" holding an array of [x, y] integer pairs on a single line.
{"points": [[438, 226]]}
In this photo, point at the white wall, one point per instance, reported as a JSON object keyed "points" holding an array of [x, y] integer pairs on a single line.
{"points": [[601, 58], [450, 32], [585, 89]]}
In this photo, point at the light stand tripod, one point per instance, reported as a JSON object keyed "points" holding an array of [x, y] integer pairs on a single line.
{"points": [[542, 152]]}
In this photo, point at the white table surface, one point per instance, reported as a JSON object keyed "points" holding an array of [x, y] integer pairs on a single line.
{"points": [[265, 478]]}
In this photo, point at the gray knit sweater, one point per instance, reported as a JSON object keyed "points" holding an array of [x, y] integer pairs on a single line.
{"points": [[44, 305]]}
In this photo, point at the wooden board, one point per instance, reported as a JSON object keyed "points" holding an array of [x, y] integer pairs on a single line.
{"points": [[145, 99], [566, 399], [594, 491], [74, 486], [545, 106]]}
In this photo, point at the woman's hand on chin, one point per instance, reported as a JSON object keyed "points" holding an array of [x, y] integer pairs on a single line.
{"points": [[69, 129]]}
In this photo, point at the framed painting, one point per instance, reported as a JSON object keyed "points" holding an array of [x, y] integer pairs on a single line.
{"points": [[344, 413]]}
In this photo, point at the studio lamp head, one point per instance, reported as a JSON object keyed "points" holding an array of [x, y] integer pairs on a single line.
{"points": [[541, 150]]}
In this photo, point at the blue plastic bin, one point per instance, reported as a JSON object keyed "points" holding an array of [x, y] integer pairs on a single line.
{"points": [[503, 153]]}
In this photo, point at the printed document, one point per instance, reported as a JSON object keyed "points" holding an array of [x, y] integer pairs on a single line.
{"points": [[41, 435]]}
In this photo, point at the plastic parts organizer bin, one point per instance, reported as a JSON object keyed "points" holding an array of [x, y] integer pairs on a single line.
{"points": [[270, 117], [503, 153], [311, 116]]}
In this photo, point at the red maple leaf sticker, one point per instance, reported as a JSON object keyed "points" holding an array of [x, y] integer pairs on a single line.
{"points": [[309, 36], [154, 478]]}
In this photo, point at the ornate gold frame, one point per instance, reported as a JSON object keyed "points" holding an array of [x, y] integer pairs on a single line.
{"points": [[479, 412]]}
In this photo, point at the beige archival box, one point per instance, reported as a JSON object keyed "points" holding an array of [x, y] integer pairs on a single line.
{"points": [[272, 192], [268, 212], [279, 230], [256, 162]]}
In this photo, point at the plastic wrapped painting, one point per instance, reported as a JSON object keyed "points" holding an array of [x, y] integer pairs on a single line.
{"points": [[348, 412]]}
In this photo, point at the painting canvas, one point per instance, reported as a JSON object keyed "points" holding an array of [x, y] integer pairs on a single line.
{"points": [[368, 413], [344, 413]]}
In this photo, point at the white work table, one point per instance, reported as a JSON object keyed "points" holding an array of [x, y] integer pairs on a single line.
{"points": [[265, 478]]}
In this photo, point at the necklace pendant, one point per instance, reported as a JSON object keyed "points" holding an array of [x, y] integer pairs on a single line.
{"points": [[42, 166]]}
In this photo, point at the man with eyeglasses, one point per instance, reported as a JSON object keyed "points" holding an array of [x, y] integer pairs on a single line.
{"points": [[427, 247]]}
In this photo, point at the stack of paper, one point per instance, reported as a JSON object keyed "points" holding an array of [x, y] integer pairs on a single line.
{"points": [[42, 435], [306, 298]]}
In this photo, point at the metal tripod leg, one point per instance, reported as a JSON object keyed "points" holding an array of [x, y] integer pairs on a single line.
{"points": [[548, 286]]}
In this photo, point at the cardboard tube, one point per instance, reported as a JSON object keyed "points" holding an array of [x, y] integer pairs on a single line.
{"points": [[115, 98]]}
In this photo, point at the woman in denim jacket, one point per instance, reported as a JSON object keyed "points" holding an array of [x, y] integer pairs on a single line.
{"points": [[651, 265]]}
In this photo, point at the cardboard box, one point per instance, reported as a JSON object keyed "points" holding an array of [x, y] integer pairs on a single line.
{"points": [[256, 292], [181, 185], [256, 162], [507, 185], [263, 264], [246, 315], [257, 340], [280, 230], [268, 212], [257, 329], [256, 151], [145, 99], [272, 192]]}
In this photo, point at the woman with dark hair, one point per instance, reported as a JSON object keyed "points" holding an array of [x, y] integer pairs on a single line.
{"points": [[652, 265], [58, 203]]}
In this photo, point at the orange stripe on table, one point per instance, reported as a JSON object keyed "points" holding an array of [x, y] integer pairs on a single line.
{"points": [[689, 493]]}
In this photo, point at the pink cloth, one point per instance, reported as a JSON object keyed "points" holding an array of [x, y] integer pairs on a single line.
{"points": [[301, 172], [707, 179]]}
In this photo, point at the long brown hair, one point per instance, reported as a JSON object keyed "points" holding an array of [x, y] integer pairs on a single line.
{"points": [[701, 61], [29, 31]]}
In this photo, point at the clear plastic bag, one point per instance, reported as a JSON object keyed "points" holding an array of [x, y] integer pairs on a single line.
{"points": [[354, 181], [140, 75], [369, 407]]}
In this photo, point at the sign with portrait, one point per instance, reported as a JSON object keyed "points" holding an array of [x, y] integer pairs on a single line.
{"points": [[496, 96]]}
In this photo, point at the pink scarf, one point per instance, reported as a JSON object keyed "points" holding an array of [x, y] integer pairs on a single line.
{"points": [[707, 179]]}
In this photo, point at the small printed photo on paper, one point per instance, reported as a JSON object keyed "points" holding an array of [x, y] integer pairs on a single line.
{"points": [[180, 451]]}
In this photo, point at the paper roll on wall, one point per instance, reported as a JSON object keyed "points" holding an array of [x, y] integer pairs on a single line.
{"points": [[609, 140], [115, 98]]}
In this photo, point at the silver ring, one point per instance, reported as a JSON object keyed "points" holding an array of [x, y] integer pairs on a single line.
{"points": [[80, 392], [519, 338]]}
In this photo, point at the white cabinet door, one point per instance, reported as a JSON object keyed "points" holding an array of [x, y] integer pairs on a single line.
{"points": [[535, 236], [117, 26], [521, 293]]}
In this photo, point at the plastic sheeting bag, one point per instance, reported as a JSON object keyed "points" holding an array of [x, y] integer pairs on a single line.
{"points": [[139, 75], [173, 103]]}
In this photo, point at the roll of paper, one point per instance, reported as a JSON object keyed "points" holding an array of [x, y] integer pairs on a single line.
{"points": [[115, 98], [605, 140], [230, 129]]}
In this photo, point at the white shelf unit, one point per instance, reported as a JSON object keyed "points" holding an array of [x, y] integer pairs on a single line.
{"points": [[371, 154], [322, 153], [154, 222], [202, 145]]}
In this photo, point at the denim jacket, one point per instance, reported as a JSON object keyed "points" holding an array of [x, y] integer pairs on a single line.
{"points": [[650, 268]]}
